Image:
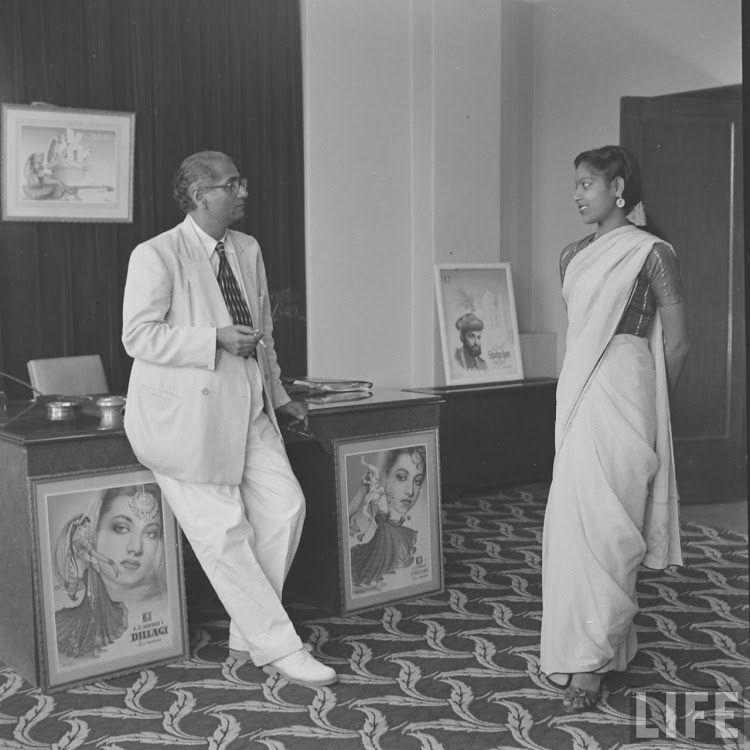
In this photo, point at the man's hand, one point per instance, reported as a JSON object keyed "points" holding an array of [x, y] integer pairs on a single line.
{"points": [[296, 411], [238, 340]]}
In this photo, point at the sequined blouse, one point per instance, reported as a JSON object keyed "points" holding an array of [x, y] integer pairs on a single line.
{"points": [[658, 284]]}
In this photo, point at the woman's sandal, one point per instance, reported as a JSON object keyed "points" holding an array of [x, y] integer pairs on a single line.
{"points": [[577, 699]]}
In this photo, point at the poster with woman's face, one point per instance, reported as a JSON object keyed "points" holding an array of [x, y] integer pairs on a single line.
{"points": [[391, 540], [112, 586]]}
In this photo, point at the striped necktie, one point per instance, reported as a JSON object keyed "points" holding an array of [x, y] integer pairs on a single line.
{"points": [[233, 297]]}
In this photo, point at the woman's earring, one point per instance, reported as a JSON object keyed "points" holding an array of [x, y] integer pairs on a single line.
{"points": [[620, 202]]}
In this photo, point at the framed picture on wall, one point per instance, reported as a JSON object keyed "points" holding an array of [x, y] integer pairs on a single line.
{"points": [[478, 324], [108, 576], [388, 492], [61, 164]]}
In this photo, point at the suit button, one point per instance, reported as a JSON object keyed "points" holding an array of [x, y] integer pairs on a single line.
{"points": [[205, 391]]}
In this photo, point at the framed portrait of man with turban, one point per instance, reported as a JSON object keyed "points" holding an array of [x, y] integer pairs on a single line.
{"points": [[478, 324]]}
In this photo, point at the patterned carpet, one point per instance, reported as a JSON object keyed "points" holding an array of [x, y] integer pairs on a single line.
{"points": [[453, 670]]}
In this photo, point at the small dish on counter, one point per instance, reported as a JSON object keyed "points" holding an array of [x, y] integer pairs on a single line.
{"points": [[60, 409], [111, 408]]}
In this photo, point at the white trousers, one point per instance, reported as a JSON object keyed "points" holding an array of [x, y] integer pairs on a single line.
{"points": [[245, 536]]}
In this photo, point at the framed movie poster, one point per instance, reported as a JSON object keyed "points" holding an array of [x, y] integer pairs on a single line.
{"points": [[61, 164], [108, 577], [389, 517], [478, 325]]}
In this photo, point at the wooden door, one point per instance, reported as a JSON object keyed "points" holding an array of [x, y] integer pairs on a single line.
{"points": [[690, 150]]}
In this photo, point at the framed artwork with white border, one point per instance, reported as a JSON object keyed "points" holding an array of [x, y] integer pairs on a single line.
{"points": [[108, 577], [61, 164], [478, 324], [388, 490]]}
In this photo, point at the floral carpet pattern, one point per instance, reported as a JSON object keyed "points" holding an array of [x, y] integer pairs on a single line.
{"points": [[457, 670]]}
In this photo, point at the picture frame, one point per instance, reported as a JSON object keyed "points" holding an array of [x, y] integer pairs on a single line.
{"points": [[477, 308], [388, 511], [64, 164], [109, 590]]}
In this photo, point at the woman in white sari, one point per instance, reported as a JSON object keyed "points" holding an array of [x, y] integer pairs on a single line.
{"points": [[613, 500]]}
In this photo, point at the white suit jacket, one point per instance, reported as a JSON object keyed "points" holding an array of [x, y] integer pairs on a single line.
{"points": [[188, 404]]}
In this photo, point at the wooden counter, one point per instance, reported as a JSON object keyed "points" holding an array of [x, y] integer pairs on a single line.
{"points": [[494, 434], [31, 446]]}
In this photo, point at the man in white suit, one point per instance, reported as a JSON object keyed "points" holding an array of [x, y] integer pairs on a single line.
{"points": [[202, 397]]}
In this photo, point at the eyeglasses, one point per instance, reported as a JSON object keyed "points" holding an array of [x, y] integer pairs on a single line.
{"points": [[235, 184]]}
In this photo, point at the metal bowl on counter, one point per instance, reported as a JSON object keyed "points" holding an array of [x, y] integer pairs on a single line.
{"points": [[60, 409]]}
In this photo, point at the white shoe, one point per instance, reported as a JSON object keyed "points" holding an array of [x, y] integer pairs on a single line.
{"points": [[242, 656], [239, 655], [301, 668]]}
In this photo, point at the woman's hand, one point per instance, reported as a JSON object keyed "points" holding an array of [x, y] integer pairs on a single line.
{"points": [[374, 498]]}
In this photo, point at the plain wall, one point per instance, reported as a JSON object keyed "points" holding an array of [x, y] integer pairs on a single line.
{"points": [[402, 171], [587, 55], [357, 115], [443, 131]]}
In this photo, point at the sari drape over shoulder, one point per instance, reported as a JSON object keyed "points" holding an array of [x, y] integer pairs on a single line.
{"points": [[613, 500]]}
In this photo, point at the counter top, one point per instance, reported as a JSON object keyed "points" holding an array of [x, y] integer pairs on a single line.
{"points": [[444, 390], [377, 398], [27, 422]]}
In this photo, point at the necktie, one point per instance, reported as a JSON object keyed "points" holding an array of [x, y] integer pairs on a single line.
{"points": [[236, 304]]}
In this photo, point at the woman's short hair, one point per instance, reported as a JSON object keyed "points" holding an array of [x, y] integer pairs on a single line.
{"points": [[195, 168], [417, 454], [615, 161]]}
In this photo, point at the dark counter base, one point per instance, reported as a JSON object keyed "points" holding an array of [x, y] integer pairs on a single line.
{"points": [[496, 434]]}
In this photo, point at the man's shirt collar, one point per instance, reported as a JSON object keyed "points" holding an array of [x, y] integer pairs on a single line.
{"points": [[208, 243]]}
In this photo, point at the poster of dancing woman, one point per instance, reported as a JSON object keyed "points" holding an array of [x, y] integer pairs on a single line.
{"points": [[390, 517]]}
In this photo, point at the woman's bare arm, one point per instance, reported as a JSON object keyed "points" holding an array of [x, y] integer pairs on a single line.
{"points": [[676, 340]]}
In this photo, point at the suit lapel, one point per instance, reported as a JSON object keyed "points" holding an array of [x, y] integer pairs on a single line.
{"points": [[200, 277]]}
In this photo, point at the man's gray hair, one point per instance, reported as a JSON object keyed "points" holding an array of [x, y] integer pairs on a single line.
{"points": [[196, 168]]}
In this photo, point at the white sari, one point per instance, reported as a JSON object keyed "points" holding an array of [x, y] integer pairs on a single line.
{"points": [[613, 500]]}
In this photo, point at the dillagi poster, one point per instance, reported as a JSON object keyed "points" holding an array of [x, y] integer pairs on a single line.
{"points": [[392, 535], [110, 574]]}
